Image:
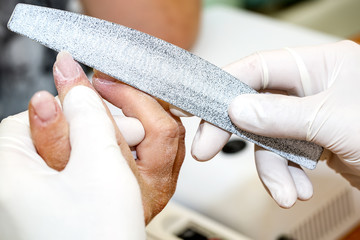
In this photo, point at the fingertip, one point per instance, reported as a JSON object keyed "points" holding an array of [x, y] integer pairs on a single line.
{"points": [[81, 99], [208, 141], [42, 108], [305, 193], [244, 112], [199, 155], [101, 80], [65, 68], [131, 129], [274, 174], [283, 193], [303, 184], [286, 198], [67, 74]]}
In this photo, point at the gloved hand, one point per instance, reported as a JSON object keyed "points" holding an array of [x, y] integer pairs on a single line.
{"points": [[95, 197], [322, 107]]}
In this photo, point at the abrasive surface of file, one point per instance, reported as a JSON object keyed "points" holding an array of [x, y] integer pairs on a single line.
{"points": [[153, 66]]}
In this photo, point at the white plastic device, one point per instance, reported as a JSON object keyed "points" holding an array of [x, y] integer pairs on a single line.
{"points": [[177, 222]]}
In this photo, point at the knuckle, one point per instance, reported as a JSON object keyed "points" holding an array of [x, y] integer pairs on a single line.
{"points": [[169, 128], [182, 131]]}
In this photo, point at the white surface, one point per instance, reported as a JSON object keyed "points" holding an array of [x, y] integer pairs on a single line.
{"points": [[175, 219], [228, 34], [227, 188]]}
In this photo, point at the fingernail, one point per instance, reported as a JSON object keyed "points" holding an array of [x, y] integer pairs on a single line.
{"points": [[106, 81], [179, 112], [66, 66], [44, 106]]}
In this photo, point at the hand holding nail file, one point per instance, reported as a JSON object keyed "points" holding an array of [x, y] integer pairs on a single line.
{"points": [[154, 66]]}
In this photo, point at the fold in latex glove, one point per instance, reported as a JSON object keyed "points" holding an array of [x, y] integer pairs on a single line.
{"points": [[324, 82], [96, 193]]}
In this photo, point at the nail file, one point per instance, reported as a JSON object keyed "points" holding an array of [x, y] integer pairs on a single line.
{"points": [[154, 66]]}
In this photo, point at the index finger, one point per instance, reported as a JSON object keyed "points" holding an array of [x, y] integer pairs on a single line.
{"points": [[161, 129]]}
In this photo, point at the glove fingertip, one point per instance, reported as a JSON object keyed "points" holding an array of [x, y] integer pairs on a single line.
{"points": [[285, 198], [242, 112], [303, 184], [131, 129], [305, 194], [208, 141], [200, 155]]}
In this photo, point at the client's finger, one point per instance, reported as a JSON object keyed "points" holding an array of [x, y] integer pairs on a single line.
{"points": [[160, 128], [49, 130], [48, 125], [68, 74], [161, 153]]}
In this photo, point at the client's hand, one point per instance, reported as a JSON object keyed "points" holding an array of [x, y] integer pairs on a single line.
{"points": [[159, 154], [95, 197]]}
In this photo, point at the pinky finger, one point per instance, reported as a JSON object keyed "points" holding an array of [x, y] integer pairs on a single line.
{"points": [[303, 184], [275, 175]]}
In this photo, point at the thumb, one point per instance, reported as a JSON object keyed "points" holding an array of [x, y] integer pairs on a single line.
{"points": [[92, 134], [274, 115]]}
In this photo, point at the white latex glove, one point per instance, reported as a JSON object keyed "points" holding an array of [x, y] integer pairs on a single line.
{"points": [[324, 84], [95, 197], [131, 129]]}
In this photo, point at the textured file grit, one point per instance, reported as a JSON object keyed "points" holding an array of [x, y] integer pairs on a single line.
{"points": [[153, 66]]}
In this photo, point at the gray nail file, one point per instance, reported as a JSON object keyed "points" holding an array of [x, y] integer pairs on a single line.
{"points": [[153, 66]]}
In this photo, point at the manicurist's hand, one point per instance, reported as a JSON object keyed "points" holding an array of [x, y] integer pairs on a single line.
{"points": [[317, 99]]}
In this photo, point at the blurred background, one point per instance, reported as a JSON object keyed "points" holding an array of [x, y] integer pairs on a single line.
{"points": [[339, 18], [25, 66], [222, 198]]}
